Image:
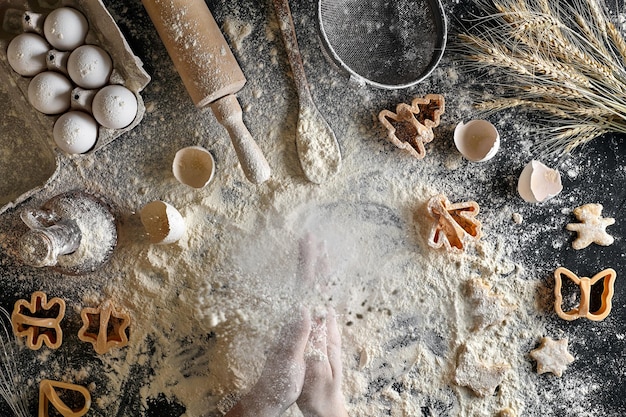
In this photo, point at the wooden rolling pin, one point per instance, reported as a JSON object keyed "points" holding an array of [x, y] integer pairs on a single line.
{"points": [[209, 72]]}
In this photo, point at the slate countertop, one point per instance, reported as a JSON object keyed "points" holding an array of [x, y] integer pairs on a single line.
{"points": [[597, 174]]}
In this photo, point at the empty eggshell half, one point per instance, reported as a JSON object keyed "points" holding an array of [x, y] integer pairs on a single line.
{"points": [[477, 140], [193, 166], [163, 223], [538, 183]]}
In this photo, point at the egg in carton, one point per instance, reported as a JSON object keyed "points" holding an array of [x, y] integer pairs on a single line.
{"points": [[28, 158]]}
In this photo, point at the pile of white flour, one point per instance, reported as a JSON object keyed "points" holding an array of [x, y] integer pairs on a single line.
{"points": [[205, 309]]}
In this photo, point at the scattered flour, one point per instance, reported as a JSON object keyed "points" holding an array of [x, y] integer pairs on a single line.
{"points": [[206, 308]]}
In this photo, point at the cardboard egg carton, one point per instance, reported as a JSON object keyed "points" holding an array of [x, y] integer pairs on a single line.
{"points": [[28, 158]]}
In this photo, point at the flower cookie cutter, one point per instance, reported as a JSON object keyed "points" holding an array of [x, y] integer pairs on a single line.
{"points": [[49, 394], [39, 321], [607, 277], [411, 126], [454, 223], [104, 327]]}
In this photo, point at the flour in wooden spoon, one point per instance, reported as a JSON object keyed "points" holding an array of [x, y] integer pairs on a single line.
{"points": [[318, 150]]}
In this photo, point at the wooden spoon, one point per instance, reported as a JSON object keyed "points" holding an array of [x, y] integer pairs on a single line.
{"points": [[317, 146]]}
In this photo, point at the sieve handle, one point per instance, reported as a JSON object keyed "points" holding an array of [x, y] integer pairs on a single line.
{"points": [[285, 22]]}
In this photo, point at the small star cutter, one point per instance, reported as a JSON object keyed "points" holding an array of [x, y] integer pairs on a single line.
{"points": [[607, 277], [104, 327], [49, 394], [592, 226], [411, 126], [39, 320], [552, 356], [454, 223]]}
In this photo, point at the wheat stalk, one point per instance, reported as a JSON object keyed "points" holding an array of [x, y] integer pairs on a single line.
{"points": [[10, 378], [559, 58]]}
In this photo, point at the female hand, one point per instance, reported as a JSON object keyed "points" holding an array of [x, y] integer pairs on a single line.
{"points": [[282, 377], [321, 395]]}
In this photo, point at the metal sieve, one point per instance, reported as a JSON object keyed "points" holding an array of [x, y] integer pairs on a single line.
{"points": [[385, 43]]}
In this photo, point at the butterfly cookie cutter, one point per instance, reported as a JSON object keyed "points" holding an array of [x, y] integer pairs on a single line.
{"points": [[607, 277], [39, 321], [411, 126], [454, 223], [49, 394], [104, 327]]}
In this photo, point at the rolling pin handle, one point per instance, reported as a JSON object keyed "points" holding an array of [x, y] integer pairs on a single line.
{"points": [[229, 114]]}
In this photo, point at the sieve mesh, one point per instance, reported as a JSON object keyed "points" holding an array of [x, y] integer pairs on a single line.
{"points": [[388, 43]]}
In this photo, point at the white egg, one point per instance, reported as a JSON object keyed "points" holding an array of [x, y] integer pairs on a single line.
{"points": [[538, 183], [193, 166], [477, 140], [27, 54], [50, 92], [75, 132], [163, 223], [114, 106], [65, 28], [89, 66]]}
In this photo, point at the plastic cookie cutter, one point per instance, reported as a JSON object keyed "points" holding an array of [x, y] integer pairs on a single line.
{"points": [[454, 223], [104, 327], [49, 394], [411, 126], [39, 321], [583, 310]]}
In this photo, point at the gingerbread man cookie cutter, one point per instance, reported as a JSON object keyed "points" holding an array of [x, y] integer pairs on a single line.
{"points": [[607, 277], [104, 327], [454, 223], [411, 126], [49, 394], [39, 320]]}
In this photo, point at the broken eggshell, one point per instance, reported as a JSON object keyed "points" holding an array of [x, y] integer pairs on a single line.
{"points": [[193, 166], [163, 223], [538, 183], [477, 140]]}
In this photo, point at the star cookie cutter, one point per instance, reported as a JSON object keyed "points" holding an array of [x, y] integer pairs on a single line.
{"points": [[454, 223], [411, 126], [104, 327], [49, 394], [39, 321], [607, 277]]}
